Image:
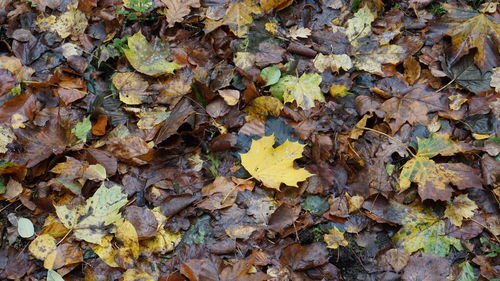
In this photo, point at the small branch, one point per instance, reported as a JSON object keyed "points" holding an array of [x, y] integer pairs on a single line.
{"points": [[386, 135]]}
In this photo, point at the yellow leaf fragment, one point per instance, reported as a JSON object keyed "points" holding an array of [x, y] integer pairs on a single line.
{"points": [[238, 16], [495, 79], [90, 222], [360, 25], [334, 238], [334, 62], [354, 203], [301, 32], [131, 87], [231, 97], [149, 119], [165, 241], [278, 5], [106, 251], [129, 251], [149, 58], [261, 107], [72, 22], [274, 166], [13, 64], [42, 246], [372, 58], [461, 207]]}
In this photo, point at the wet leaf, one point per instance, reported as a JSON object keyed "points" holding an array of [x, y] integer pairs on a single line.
{"points": [[261, 107], [304, 90], [149, 58], [467, 273], [469, 29], [335, 238], [6, 137], [466, 73], [422, 230], [334, 62], [315, 204], [42, 246], [90, 222], [131, 87], [71, 23], [359, 26], [271, 75], [274, 166], [371, 56], [461, 207], [53, 276], [177, 9], [25, 228], [278, 5], [238, 16], [432, 177], [82, 129]]}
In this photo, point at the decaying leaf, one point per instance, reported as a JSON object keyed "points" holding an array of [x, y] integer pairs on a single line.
{"points": [[261, 107], [42, 246], [238, 16], [72, 22], [6, 137], [334, 62], [371, 56], [359, 26], [131, 87], [461, 207], [92, 221], [274, 166], [304, 90], [149, 58], [469, 29], [278, 5], [177, 9], [335, 238], [422, 230], [433, 178]]}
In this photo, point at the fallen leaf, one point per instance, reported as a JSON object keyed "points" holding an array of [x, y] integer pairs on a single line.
{"points": [[469, 29], [25, 228], [334, 62], [432, 177], [272, 74], [129, 250], [71, 23], [149, 58], [131, 87], [422, 230], [426, 268], [6, 137], [304, 90], [82, 129], [149, 119], [461, 207], [274, 166], [371, 56], [238, 16], [495, 79], [278, 5], [466, 73], [261, 107], [359, 26], [231, 97], [42, 246], [412, 69], [177, 9], [90, 222], [334, 238], [301, 32]]}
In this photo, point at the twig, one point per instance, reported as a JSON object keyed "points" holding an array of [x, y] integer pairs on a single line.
{"points": [[386, 135]]}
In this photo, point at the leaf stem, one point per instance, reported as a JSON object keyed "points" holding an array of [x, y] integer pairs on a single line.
{"points": [[386, 135]]}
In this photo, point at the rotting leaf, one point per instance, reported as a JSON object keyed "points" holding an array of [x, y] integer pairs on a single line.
{"points": [[304, 90], [149, 58], [423, 230], [131, 87], [261, 107], [432, 177], [177, 9], [335, 238], [238, 16], [91, 222], [461, 207], [274, 166]]}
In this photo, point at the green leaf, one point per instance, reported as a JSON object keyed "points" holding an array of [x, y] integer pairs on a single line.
{"points": [[271, 75], [25, 228], [198, 231], [277, 89], [422, 230], [82, 129], [304, 90], [147, 58], [315, 204], [53, 276], [467, 273]]}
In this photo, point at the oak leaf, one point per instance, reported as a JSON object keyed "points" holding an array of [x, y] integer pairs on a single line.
{"points": [[433, 178], [461, 207], [91, 222], [149, 58], [469, 29], [274, 166], [177, 9]]}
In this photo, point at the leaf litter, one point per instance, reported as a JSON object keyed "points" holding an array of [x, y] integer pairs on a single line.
{"points": [[249, 140]]}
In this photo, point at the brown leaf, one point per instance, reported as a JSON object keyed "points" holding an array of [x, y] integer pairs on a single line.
{"points": [[396, 258], [177, 9], [305, 257], [143, 220], [129, 149], [412, 69], [426, 268]]}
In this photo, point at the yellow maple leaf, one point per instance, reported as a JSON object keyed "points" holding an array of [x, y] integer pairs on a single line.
{"points": [[334, 238], [359, 26], [91, 222], [304, 90], [261, 107], [238, 16], [461, 207], [274, 166]]}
